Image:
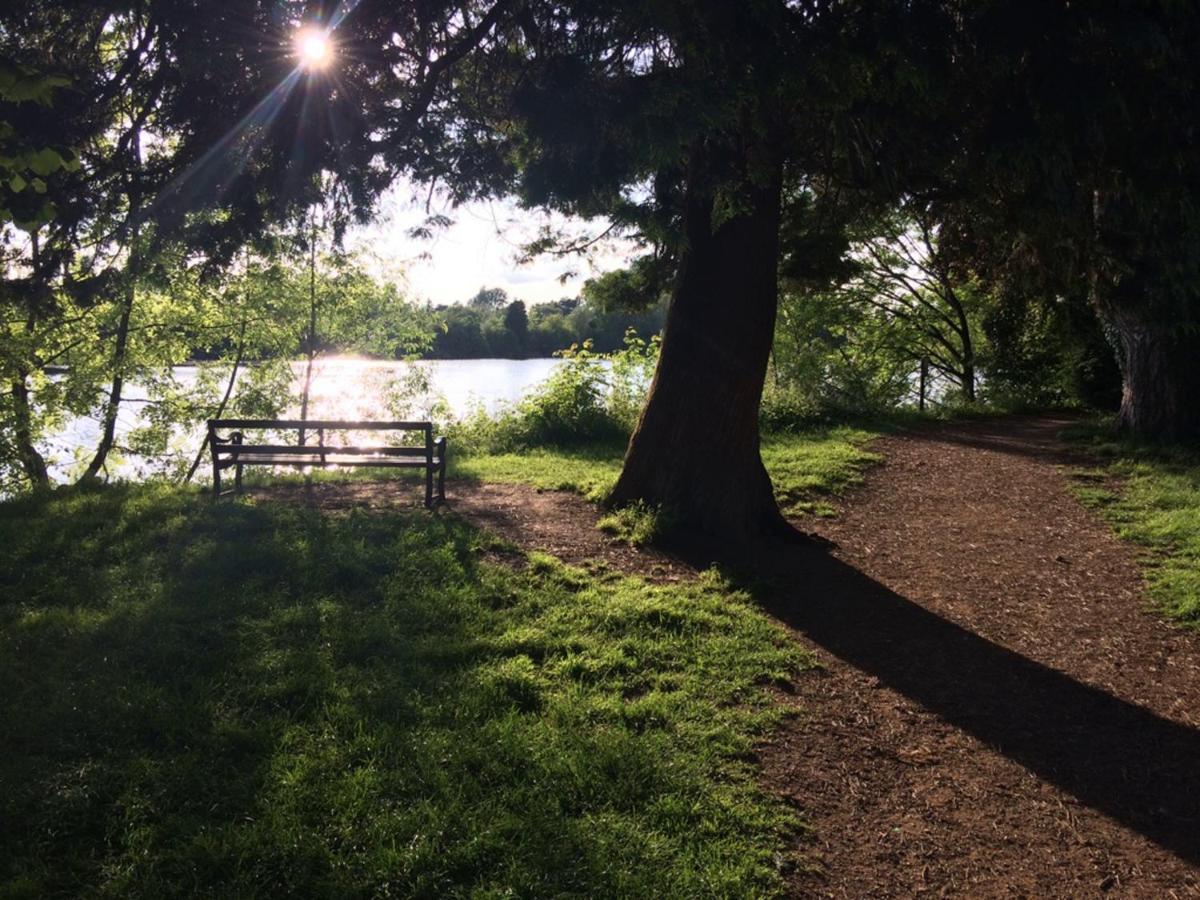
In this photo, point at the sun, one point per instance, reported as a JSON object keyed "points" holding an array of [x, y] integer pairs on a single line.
{"points": [[314, 47]]}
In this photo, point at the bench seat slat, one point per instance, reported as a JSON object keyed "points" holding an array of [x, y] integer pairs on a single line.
{"points": [[246, 450], [330, 460]]}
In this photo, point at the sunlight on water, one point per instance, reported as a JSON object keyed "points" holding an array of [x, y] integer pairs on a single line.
{"points": [[350, 388], [342, 388]]}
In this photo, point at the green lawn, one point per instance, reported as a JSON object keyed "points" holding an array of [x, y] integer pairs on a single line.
{"points": [[256, 700], [807, 468], [1151, 496]]}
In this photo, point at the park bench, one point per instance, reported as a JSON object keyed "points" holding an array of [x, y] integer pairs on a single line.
{"points": [[233, 451]]}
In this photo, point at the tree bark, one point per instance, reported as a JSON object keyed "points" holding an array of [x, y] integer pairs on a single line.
{"points": [[1160, 367], [32, 462], [1153, 314], [695, 451]]}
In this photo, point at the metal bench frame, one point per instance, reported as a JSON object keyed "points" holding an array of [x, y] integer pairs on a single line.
{"points": [[233, 452]]}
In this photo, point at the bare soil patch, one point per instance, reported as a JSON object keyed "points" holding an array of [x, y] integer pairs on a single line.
{"points": [[560, 523]]}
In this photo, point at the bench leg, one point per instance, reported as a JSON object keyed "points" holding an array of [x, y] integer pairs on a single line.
{"points": [[429, 487], [216, 479], [237, 478], [442, 479]]}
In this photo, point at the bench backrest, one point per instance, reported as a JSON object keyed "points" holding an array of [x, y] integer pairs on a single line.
{"points": [[239, 447]]}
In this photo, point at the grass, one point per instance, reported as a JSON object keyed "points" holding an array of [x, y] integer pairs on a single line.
{"points": [[249, 700], [590, 471], [638, 523], [1150, 494], [807, 468]]}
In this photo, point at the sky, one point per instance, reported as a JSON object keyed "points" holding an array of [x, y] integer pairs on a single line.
{"points": [[479, 250]]}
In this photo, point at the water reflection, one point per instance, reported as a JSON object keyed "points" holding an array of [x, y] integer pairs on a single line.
{"points": [[342, 388]]}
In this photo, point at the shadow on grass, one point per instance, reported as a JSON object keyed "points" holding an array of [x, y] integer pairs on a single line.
{"points": [[241, 699], [162, 656]]}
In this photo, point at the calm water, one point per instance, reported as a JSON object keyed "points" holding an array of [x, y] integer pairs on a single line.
{"points": [[342, 388]]}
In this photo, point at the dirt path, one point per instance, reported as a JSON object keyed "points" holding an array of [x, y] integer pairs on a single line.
{"points": [[997, 714]]}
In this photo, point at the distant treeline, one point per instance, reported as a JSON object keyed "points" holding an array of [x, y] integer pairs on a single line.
{"points": [[492, 325]]}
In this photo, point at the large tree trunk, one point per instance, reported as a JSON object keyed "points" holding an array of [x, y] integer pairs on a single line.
{"points": [[695, 450], [1160, 367], [1148, 302]]}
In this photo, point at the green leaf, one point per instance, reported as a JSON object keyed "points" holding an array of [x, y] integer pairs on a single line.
{"points": [[46, 161], [17, 184]]}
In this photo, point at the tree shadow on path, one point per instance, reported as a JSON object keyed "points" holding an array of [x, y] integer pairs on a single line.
{"points": [[1114, 756], [1031, 437]]}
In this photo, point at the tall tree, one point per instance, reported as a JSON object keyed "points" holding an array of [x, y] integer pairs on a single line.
{"points": [[902, 273], [681, 122], [692, 124], [1074, 168]]}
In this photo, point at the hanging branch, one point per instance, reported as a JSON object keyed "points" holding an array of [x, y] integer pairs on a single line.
{"points": [[220, 410]]}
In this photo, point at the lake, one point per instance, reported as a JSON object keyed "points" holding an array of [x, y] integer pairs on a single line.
{"points": [[342, 388]]}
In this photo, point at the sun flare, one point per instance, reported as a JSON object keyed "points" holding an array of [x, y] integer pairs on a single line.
{"points": [[314, 47]]}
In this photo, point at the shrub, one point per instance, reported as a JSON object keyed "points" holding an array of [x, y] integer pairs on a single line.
{"points": [[591, 398], [787, 409]]}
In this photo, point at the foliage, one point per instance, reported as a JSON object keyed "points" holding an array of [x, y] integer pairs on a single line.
{"points": [[25, 164], [630, 372], [1150, 494], [592, 398], [259, 700], [1082, 189], [834, 358], [641, 285], [503, 329], [1048, 352], [858, 344], [568, 409], [242, 325], [787, 408]]}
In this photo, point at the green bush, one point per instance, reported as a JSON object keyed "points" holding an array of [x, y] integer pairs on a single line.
{"points": [[593, 398], [787, 409]]}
